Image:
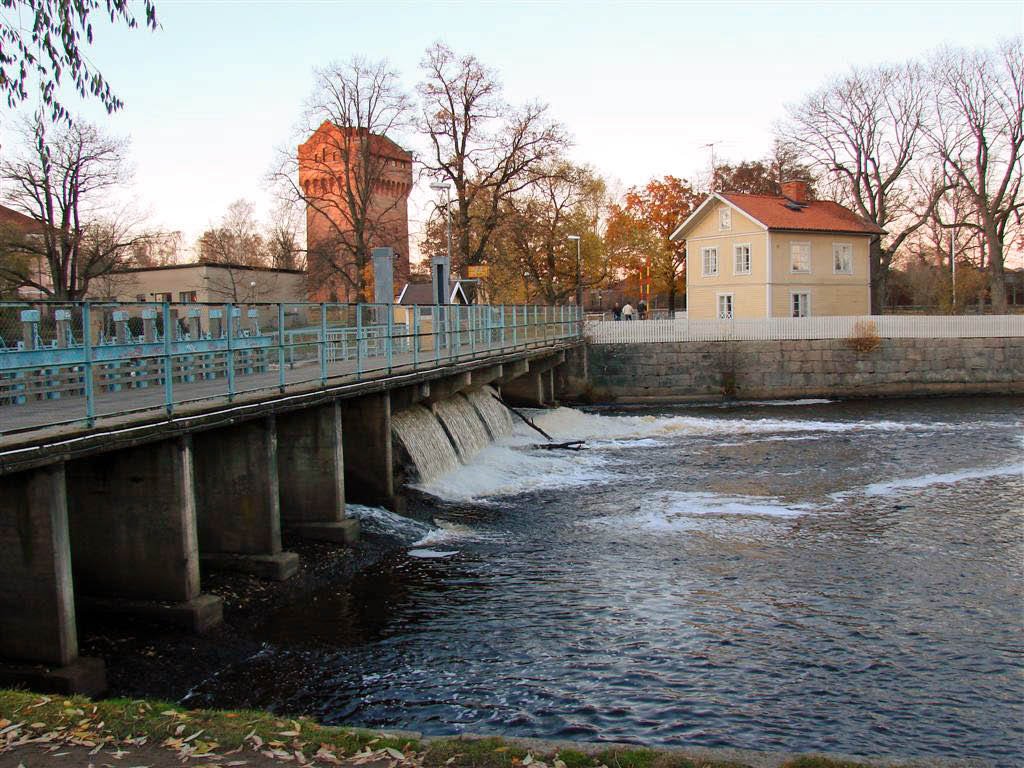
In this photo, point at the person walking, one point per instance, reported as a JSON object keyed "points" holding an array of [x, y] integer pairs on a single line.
{"points": [[616, 312], [627, 311], [641, 309]]}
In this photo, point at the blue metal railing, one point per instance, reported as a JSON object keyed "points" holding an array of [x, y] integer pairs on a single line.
{"points": [[78, 362]]}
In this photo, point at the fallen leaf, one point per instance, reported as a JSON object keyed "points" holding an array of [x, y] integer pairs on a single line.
{"points": [[394, 753]]}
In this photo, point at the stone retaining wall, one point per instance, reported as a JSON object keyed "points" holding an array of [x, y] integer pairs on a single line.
{"points": [[804, 368]]}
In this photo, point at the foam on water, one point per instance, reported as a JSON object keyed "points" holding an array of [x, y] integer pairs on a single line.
{"points": [[384, 522], [431, 554], [567, 423], [896, 487], [504, 470], [681, 511]]}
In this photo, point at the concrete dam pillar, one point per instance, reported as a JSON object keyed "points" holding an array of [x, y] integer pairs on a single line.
{"points": [[132, 518], [311, 474], [237, 504], [37, 607], [369, 461]]}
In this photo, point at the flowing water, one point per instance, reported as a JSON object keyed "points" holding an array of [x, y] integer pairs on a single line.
{"points": [[816, 576]]}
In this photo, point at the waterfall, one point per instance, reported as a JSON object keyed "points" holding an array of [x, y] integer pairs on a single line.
{"points": [[463, 425], [436, 439], [425, 441], [495, 416]]}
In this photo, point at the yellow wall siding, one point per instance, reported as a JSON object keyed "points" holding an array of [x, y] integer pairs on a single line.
{"points": [[748, 301], [748, 290], [831, 294]]}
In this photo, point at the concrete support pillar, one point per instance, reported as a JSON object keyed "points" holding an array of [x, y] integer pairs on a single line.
{"points": [[237, 504], [37, 609], [311, 474], [132, 517], [369, 462], [530, 390]]}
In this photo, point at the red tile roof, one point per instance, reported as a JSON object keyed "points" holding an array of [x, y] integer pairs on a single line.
{"points": [[19, 221], [817, 216]]}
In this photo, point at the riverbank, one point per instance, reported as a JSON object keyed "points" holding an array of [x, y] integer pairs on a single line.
{"points": [[39, 731]]}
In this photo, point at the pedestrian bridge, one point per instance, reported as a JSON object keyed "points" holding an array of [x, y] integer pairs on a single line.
{"points": [[140, 440]]}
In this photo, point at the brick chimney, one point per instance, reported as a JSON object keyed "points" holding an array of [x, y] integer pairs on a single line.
{"points": [[795, 191]]}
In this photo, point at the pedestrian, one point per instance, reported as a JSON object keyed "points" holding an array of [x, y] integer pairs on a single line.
{"points": [[641, 308], [627, 311], [616, 312]]}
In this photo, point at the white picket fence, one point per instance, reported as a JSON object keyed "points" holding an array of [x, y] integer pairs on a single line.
{"points": [[776, 328]]}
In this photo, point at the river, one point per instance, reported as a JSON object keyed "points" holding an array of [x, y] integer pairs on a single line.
{"points": [[827, 576]]}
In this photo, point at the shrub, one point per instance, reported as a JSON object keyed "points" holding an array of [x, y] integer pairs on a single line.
{"points": [[865, 336]]}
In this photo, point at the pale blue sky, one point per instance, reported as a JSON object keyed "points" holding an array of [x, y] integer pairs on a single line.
{"points": [[640, 86]]}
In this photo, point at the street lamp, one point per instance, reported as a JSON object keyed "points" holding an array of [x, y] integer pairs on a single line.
{"points": [[579, 273], [446, 188]]}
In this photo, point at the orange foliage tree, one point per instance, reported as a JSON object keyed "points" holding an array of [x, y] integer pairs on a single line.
{"points": [[637, 235]]}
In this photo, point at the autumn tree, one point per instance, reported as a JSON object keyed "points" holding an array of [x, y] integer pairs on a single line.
{"points": [[864, 135], [638, 232], [66, 177], [763, 177], [356, 110], [484, 148], [43, 44], [978, 133], [531, 242]]}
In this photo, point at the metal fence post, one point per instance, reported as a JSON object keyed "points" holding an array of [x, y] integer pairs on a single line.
{"points": [[323, 343], [90, 402], [231, 352], [359, 341], [168, 362], [280, 346], [391, 333], [415, 336]]}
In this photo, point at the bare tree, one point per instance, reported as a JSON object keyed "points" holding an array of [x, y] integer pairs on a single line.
{"points": [[484, 148], [864, 134], [235, 240], [282, 237], [979, 136], [65, 177], [350, 175]]}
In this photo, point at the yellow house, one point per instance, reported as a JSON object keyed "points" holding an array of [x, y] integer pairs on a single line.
{"points": [[818, 261]]}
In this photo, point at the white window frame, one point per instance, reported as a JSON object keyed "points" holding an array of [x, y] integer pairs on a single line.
{"points": [[707, 249], [735, 258], [810, 257], [724, 218], [792, 298], [835, 248], [732, 305]]}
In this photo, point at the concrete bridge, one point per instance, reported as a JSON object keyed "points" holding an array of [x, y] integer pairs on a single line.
{"points": [[140, 441]]}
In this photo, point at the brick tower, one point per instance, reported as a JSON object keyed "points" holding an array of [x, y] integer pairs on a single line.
{"points": [[322, 173]]}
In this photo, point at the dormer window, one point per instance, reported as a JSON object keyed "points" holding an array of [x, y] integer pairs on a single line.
{"points": [[724, 218]]}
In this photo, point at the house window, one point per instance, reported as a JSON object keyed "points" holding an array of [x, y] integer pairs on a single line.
{"points": [[187, 297], [799, 257], [741, 263], [842, 258], [724, 218], [709, 261], [141, 297], [163, 297], [801, 304], [725, 306]]}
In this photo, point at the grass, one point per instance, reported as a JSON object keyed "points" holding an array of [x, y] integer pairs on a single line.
{"points": [[203, 730]]}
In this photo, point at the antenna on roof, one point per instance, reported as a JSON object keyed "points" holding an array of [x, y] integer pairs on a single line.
{"points": [[711, 146]]}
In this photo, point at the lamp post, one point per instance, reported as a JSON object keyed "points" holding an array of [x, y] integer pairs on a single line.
{"points": [[447, 189], [579, 273]]}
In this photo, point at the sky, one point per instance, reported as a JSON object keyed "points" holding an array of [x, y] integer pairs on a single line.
{"points": [[642, 87]]}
